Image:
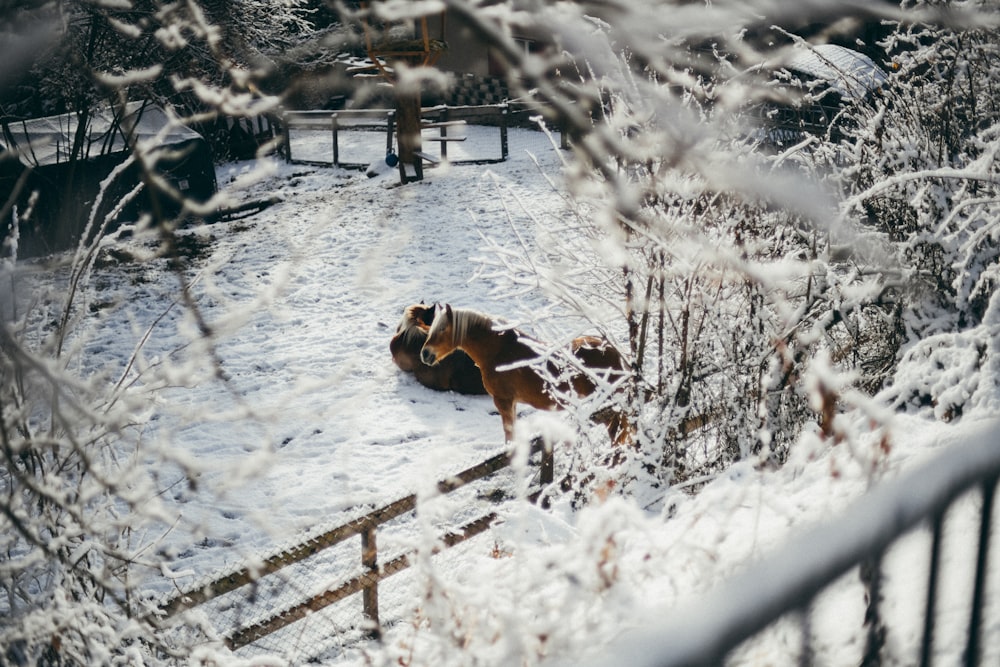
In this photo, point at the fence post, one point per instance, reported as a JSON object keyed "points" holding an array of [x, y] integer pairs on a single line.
{"points": [[369, 559], [336, 146], [286, 133], [547, 467], [444, 132], [930, 607], [504, 150], [390, 123], [973, 648], [871, 577]]}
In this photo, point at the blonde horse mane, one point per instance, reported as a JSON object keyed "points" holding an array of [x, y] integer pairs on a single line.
{"points": [[408, 328], [465, 320]]}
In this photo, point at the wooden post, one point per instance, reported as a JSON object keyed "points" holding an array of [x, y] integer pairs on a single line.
{"points": [[504, 146], [408, 136], [336, 147], [444, 133], [547, 467], [369, 559], [286, 135], [390, 126]]}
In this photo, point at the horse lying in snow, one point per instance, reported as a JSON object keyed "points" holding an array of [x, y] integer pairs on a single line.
{"points": [[458, 374], [504, 358]]}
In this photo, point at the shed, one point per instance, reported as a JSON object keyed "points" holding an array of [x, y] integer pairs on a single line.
{"points": [[68, 181], [834, 77]]}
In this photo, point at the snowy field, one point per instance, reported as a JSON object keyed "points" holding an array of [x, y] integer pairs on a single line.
{"points": [[309, 418], [317, 285], [312, 420]]}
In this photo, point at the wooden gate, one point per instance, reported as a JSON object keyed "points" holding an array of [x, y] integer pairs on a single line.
{"points": [[373, 571]]}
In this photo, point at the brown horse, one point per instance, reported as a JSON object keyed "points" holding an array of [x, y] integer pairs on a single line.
{"points": [[505, 357], [459, 373]]}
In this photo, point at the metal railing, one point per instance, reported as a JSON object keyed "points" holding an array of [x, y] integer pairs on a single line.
{"points": [[786, 584]]}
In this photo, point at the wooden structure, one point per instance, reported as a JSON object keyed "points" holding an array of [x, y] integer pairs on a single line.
{"points": [[440, 121], [373, 570], [413, 43]]}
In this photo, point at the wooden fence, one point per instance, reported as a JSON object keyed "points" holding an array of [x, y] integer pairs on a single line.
{"points": [[373, 572], [439, 120]]}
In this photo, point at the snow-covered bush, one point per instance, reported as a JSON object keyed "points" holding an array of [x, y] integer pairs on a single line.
{"points": [[82, 478], [721, 270], [724, 271], [922, 176]]}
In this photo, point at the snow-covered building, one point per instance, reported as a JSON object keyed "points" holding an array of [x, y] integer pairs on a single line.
{"points": [[817, 82]]}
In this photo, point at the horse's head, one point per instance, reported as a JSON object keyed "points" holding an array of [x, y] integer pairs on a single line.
{"points": [[416, 316], [440, 336], [410, 334]]}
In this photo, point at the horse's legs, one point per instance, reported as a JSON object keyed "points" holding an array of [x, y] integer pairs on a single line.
{"points": [[508, 413]]}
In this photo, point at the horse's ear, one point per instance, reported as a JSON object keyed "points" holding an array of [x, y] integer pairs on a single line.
{"points": [[447, 310]]}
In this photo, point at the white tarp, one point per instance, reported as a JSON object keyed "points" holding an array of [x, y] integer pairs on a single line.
{"points": [[851, 74], [45, 141]]}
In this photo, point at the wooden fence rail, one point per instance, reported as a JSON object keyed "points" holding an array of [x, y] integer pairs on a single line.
{"points": [[373, 571]]}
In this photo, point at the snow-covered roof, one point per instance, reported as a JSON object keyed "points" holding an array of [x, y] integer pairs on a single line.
{"points": [[853, 75], [45, 141]]}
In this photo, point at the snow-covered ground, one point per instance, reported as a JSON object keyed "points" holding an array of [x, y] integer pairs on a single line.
{"points": [[309, 419], [304, 298]]}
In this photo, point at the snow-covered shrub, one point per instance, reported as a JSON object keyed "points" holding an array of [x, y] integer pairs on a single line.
{"points": [[82, 477], [721, 270], [922, 175]]}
